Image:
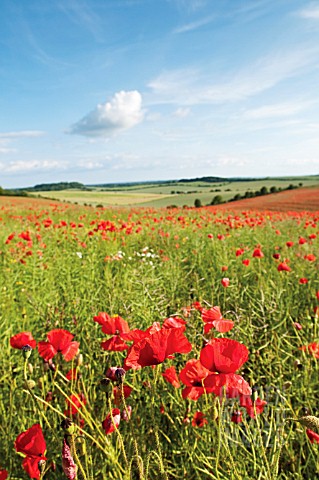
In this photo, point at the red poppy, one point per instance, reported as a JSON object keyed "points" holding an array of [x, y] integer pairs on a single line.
{"points": [[3, 474], [317, 295], [72, 374], [246, 262], [283, 267], [20, 340], [313, 436], [111, 419], [313, 349], [174, 322], [213, 319], [112, 325], [252, 407], [31, 443], [225, 282], [290, 244], [156, 347], [117, 393], [199, 420], [59, 340], [310, 257], [170, 376], [115, 344], [303, 281], [239, 252], [237, 417], [257, 253], [193, 375], [302, 240], [224, 357], [75, 402], [297, 326], [276, 256]]}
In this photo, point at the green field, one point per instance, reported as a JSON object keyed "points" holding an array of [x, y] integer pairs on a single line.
{"points": [[244, 399], [179, 194]]}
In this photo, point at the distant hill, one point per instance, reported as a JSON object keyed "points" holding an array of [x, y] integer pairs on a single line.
{"points": [[44, 187]]}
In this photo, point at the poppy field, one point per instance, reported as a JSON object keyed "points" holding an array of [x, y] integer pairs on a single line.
{"points": [[158, 343]]}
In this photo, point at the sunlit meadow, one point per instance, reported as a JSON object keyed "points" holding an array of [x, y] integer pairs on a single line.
{"points": [[158, 344]]}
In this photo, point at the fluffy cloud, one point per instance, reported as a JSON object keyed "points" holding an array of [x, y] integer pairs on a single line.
{"points": [[123, 111]]}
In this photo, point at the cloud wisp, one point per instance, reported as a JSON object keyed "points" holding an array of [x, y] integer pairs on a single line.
{"points": [[122, 112], [189, 87]]}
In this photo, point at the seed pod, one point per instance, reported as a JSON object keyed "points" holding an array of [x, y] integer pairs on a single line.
{"points": [[31, 384], [27, 349], [41, 466], [309, 421]]}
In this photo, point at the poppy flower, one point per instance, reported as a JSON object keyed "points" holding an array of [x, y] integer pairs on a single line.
{"points": [[192, 376], [290, 244], [317, 295], [174, 322], [199, 420], [75, 402], [213, 318], [283, 267], [246, 262], [3, 474], [313, 436], [156, 347], [225, 282], [237, 417], [252, 406], [310, 257], [31, 443], [239, 252], [114, 344], [111, 421], [72, 374], [257, 253], [20, 340], [303, 281], [170, 376], [312, 348], [117, 393], [224, 357], [59, 340], [302, 240], [112, 325], [276, 256]]}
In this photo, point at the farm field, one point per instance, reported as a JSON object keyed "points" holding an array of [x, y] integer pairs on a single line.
{"points": [[179, 194], [179, 343]]}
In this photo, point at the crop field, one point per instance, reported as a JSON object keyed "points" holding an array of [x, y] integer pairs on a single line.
{"points": [[143, 343], [179, 194]]}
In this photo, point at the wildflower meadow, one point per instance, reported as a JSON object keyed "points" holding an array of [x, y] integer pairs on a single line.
{"points": [[158, 344]]}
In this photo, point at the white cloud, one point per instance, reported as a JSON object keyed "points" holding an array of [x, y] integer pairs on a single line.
{"points": [[122, 112], [22, 134], [311, 12], [188, 27], [30, 166], [181, 112], [275, 110]]}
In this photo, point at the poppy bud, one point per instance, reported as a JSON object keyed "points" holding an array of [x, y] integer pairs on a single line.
{"points": [[53, 466], [41, 466], [126, 415], [27, 349], [298, 365], [105, 385], [254, 393], [79, 360], [120, 374], [30, 368], [68, 426]]}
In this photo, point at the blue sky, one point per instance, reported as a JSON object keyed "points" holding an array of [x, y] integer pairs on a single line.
{"points": [[102, 91]]}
